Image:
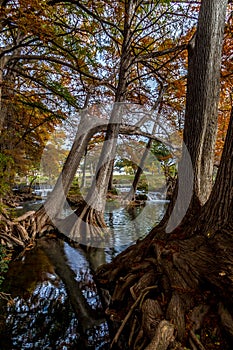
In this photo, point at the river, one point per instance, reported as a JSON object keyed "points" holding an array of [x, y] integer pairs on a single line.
{"points": [[55, 303]]}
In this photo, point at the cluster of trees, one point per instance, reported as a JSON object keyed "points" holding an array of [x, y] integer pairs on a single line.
{"points": [[54, 55], [58, 57], [62, 60]]}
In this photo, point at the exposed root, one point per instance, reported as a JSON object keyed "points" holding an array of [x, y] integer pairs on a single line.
{"points": [[5, 296], [122, 285], [163, 337], [173, 314], [226, 319], [25, 216], [196, 341], [152, 314], [86, 226], [14, 233], [132, 332], [132, 308], [21, 232], [146, 280]]}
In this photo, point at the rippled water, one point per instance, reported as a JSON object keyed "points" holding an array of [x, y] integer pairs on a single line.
{"points": [[47, 282]]}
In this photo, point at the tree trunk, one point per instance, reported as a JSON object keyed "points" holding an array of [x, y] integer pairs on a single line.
{"points": [[218, 210], [158, 104], [83, 183], [110, 184], [3, 90], [131, 195], [88, 221], [170, 290], [2, 108], [60, 191], [203, 86], [195, 170]]}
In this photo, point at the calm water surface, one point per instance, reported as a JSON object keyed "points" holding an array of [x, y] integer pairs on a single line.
{"points": [[55, 300]]}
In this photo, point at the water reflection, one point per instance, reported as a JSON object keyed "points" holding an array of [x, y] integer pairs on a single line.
{"points": [[45, 320], [42, 315], [56, 302], [131, 223]]}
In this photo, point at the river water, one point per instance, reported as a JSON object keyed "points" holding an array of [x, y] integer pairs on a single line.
{"points": [[55, 302]]}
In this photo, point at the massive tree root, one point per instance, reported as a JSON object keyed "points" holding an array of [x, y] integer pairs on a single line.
{"points": [[172, 294], [21, 232], [86, 225]]}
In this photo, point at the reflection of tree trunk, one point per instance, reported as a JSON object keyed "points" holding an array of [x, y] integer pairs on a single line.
{"points": [[95, 256], [86, 316], [131, 195], [5, 332]]}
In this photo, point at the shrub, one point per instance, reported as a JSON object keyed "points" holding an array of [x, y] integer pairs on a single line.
{"points": [[5, 165], [113, 191], [143, 185]]}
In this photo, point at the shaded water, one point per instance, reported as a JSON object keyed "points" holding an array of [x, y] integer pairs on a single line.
{"points": [[55, 300]]}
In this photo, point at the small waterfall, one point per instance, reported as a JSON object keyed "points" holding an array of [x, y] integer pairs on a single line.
{"points": [[43, 190], [156, 197]]}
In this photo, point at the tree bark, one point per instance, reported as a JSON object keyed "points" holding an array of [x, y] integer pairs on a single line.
{"points": [[203, 86], [195, 171], [131, 195], [83, 183], [217, 212], [110, 184]]}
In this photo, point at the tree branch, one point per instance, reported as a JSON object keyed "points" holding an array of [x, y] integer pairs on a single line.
{"points": [[46, 86], [88, 11], [160, 53], [63, 63]]}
